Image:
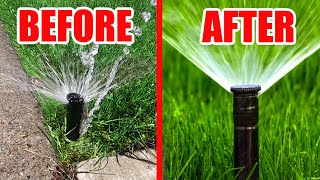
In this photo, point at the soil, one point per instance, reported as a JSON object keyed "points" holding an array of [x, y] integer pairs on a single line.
{"points": [[25, 151]]}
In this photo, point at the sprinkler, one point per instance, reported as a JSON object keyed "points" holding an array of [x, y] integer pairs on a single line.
{"points": [[75, 115], [245, 114]]}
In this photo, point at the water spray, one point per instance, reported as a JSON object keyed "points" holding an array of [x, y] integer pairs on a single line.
{"points": [[245, 114], [56, 83], [76, 113]]}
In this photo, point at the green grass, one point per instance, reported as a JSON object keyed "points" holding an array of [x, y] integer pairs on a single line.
{"points": [[240, 64], [126, 118], [198, 123]]}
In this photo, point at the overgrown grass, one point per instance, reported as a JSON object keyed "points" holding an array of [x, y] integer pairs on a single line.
{"points": [[126, 119], [198, 123]]}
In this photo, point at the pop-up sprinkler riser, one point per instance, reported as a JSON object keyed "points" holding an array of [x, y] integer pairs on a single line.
{"points": [[245, 114], [76, 113]]}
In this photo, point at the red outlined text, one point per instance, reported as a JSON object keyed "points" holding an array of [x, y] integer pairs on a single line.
{"points": [[55, 25], [265, 26]]}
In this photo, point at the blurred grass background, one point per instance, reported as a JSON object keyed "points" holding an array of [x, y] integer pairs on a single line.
{"points": [[126, 118], [198, 123]]}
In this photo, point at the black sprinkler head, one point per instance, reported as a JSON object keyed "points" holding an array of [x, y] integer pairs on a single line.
{"points": [[245, 88], [74, 97], [245, 114], [75, 115]]}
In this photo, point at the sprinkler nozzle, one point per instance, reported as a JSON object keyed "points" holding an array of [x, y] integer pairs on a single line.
{"points": [[245, 114], [75, 115]]}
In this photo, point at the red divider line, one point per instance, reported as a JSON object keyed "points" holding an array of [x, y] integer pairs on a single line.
{"points": [[159, 90]]}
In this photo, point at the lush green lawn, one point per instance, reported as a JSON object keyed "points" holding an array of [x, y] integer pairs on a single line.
{"points": [[198, 124], [126, 119]]}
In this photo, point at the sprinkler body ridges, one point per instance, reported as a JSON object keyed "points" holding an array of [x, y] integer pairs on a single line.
{"points": [[245, 114]]}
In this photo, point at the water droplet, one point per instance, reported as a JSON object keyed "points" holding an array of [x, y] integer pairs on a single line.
{"points": [[145, 16], [137, 31], [84, 57], [120, 58], [94, 49], [153, 2], [126, 51]]}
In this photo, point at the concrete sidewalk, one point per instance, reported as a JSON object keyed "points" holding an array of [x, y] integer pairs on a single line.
{"points": [[25, 153], [139, 166]]}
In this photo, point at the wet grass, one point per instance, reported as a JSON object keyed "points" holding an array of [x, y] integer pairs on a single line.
{"points": [[126, 118], [198, 123]]}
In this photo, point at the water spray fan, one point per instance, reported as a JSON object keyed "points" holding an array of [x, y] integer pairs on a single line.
{"points": [[75, 84], [240, 64], [74, 89]]}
